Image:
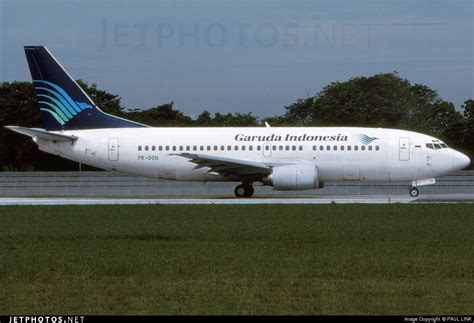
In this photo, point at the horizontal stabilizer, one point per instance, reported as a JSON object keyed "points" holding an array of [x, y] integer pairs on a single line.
{"points": [[42, 134]]}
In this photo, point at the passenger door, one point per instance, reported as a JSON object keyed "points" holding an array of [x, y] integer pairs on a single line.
{"points": [[113, 149], [404, 149]]}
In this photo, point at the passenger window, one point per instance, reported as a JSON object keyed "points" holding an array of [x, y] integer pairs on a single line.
{"points": [[146, 148], [139, 148], [236, 148], [160, 148], [180, 148], [321, 147], [328, 147], [167, 148], [243, 147], [280, 147], [370, 147], [287, 147], [267, 147], [250, 148], [229, 147], [259, 148], [342, 147], [188, 148], [314, 147], [362, 147], [201, 147], [293, 147], [195, 148], [356, 147], [376, 147], [222, 148], [301, 148], [335, 147], [274, 148], [215, 147], [153, 148], [208, 148], [174, 148]]}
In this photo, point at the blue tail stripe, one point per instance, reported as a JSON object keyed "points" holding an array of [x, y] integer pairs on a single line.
{"points": [[58, 119], [63, 93], [58, 104], [63, 101], [56, 109]]}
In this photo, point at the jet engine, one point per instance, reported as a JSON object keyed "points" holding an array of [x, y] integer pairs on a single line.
{"points": [[303, 176]]}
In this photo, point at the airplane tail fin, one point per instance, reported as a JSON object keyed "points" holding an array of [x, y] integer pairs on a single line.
{"points": [[62, 102]]}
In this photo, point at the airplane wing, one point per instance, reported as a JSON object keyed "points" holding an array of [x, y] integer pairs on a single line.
{"points": [[41, 133], [228, 166]]}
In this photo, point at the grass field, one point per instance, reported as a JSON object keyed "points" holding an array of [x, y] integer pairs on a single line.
{"points": [[325, 259]]}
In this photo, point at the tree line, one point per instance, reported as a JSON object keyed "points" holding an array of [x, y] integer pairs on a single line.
{"points": [[382, 100]]}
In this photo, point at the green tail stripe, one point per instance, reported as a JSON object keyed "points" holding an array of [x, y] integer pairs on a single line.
{"points": [[58, 119], [57, 95], [58, 104], [56, 109]]}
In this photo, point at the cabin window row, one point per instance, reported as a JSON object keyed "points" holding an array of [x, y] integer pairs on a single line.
{"points": [[348, 147], [222, 148], [258, 148]]}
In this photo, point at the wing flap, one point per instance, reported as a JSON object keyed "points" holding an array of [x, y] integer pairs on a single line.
{"points": [[227, 166]]}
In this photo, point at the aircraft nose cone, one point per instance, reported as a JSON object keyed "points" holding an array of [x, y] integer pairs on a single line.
{"points": [[460, 160]]}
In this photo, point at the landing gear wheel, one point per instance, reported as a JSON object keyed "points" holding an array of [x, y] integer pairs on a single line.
{"points": [[250, 191], [413, 191], [243, 190]]}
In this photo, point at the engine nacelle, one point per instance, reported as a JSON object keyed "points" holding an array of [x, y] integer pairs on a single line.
{"points": [[304, 176]]}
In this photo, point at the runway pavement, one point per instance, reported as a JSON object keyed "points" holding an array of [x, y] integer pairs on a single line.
{"points": [[342, 199], [87, 188]]}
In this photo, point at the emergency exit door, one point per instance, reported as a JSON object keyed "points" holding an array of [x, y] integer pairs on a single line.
{"points": [[404, 149], [267, 150], [113, 149]]}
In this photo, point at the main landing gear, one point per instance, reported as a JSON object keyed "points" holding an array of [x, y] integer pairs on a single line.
{"points": [[413, 191], [244, 190]]}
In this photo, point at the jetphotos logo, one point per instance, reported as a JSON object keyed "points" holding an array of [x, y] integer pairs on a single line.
{"points": [[56, 102], [363, 139]]}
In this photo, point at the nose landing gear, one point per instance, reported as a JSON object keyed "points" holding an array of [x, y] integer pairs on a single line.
{"points": [[413, 191], [244, 190]]}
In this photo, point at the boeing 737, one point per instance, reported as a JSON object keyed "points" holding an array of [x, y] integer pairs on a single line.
{"points": [[287, 158]]}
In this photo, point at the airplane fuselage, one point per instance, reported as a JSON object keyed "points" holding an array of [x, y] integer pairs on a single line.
{"points": [[340, 153]]}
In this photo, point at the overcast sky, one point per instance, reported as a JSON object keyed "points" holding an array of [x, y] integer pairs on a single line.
{"points": [[242, 56]]}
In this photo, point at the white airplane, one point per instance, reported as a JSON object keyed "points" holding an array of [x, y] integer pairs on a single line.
{"points": [[300, 158]]}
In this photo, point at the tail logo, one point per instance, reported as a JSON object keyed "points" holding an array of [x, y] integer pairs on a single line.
{"points": [[55, 101], [364, 139]]}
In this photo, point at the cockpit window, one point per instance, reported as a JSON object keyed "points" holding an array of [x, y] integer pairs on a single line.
{"points": [[436, 144]]}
